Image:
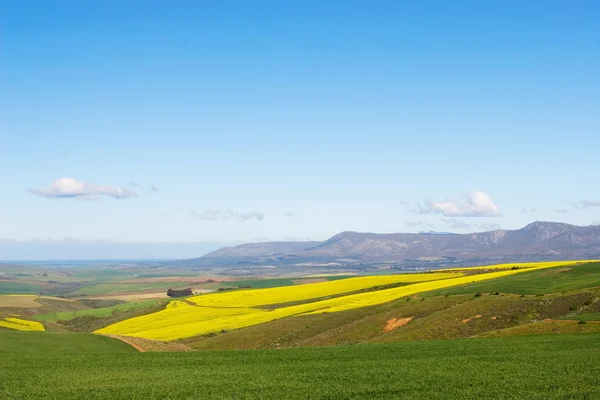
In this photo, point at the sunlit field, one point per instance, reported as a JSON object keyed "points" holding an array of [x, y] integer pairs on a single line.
{"points": [[233, 310]]}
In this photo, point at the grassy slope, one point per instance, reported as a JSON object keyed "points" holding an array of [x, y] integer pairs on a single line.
{"points": [[433, 318], [547, 327], [552, 280], [584, 317], [538, 367], [91, 319], [57, 343]]}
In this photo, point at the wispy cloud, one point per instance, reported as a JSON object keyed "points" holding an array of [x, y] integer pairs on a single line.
{"points": [[474, 204], [489, 226], [288, 214], [586, 204], [527, 210], [72, 188], [153, 188], [561, 210], [415, 224], [458, 224], [227, 214]]}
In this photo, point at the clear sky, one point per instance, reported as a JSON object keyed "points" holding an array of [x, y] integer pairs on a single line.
{"points": [[192, 124]]}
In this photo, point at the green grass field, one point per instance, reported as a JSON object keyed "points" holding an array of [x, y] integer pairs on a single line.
{"points": [[112, 288], [535, 367], [551, 280], [58, 343], [12, 287], [100, 312], [584, 317]]}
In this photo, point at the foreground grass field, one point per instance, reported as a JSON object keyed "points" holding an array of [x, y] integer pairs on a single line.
{"points": [[536, 367]]}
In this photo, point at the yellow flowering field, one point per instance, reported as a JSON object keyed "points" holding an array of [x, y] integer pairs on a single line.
{"points": [[21, 324], [277, 295], [233, 310], [542, 264]]}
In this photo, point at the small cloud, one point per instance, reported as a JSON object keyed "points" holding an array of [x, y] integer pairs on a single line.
{"points": [[475, 204], [586, 204], [456, 224], [166, 215], [288, 214], [527, 210], [72, 188], [416, 224], [153, 188], [561, 210], [489, 226], [214, 215], [136, 185]]}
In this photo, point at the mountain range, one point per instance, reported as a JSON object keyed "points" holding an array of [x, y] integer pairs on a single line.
{"points": [[547, 240]]}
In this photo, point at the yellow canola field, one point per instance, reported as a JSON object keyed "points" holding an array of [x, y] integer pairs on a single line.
{"points": [[182, 320], [278, 295], [21, 325], [541, 264]]}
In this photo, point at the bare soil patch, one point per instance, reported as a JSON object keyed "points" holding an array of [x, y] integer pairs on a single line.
{"points": [[19, 301], [396, 323], [467, 320]]}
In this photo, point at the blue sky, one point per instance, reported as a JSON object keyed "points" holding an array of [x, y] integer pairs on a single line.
{"points": [[193, 124]]}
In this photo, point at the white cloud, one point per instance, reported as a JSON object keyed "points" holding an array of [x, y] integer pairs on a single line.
{"points": [[561, 210], [476, 204], [72, 188], [214, 215], [458, 224], [288, 214]]}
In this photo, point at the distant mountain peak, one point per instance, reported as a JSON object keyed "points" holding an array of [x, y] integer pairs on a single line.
{"points": [[559, 239]]}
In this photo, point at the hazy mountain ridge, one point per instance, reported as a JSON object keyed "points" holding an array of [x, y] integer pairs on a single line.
{"points": [[548, 238]]}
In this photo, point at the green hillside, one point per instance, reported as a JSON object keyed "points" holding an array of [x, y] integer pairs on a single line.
{"points": [[46, 343], [536, 367], [551, 280], [426, 318]]}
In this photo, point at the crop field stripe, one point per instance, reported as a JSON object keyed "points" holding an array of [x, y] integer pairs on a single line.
{"points": [[180, 320], [21, 324]]}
